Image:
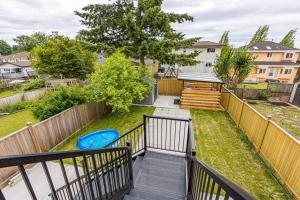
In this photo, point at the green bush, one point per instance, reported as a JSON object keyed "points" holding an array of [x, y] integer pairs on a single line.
{"points": [[34, 84], [263, 95], [58, 101], [2, 86], [18, 106]]}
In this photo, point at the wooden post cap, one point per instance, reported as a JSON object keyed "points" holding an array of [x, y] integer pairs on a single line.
{"points": [[269, 117], [29, 124]]}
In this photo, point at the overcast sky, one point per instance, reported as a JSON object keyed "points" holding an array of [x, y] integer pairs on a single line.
{"points": [[211, 17]]}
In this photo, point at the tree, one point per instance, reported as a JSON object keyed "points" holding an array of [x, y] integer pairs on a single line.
{"points": [[5, 49], [225, 38], [63, 57], [233, 65], [260, 35], [119, 83], [139, 29], [27, 43], [289, 39]]}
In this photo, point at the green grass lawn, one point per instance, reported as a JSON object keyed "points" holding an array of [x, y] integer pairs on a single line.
{"points": [[122, 122], [253, 86], [287, 117], [224, 147], [12, 122], [10, 92]]}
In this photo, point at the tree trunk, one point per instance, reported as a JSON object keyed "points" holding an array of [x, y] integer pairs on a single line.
{"points": [[142, 60]]}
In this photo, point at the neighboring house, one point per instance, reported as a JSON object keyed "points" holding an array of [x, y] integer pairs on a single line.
{"points": [[209, 52], [273, 62], [15, 66]]}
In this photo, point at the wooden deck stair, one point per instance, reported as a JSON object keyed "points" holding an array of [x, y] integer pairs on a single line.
{"points": [[201, 96]]}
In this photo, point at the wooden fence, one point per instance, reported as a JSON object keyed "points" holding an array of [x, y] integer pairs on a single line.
{"points": [[47, 134], [170, 87], [26, 96], [276, 146]]}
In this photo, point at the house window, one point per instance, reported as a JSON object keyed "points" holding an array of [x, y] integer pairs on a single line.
{"points": [[281, 71], [289, 55], [208, 64], [211, 50], [288, 71], [184, 50], [269, 55], [262, 71]]}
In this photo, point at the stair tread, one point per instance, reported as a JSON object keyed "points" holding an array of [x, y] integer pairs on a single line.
{"points": [[145, 193], [162, 183], [164, 156]]}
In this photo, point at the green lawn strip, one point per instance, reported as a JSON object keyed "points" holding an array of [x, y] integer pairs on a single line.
{"points": [[225, 148], [287, 117], [253, 86], [13, 122], [122, 122], [10, 92]]}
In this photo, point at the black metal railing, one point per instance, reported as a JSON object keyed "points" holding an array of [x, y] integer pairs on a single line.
{"points": [[206, 183], [106, 173]]}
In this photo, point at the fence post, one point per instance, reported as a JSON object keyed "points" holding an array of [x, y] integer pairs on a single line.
{"points": [[228, 100], [242, 110], [33, 136], [269, 117], [145, 133]]}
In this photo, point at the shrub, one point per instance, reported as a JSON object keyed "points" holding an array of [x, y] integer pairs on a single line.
{"points": [[2, 85], [34, 84], [119, 83], [56, 102], [263, 95]]}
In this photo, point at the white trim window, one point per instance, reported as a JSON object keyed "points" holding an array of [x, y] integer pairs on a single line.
{"points": [[289, 55], [208, 64], [211, 50], [287, 71], [261, 71], [269, 54]]}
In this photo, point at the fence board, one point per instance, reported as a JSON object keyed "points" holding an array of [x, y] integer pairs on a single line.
{"points": [[27, 96], [170, 87], [48, 133], [280, 150]]}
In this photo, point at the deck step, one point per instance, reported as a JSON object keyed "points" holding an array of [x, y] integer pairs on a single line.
{"points": [[202, 98], [188, 101]]}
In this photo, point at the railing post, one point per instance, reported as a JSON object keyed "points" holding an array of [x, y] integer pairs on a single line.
{"points": [[242, 110], [190, 181], [128, 144], [145, 133]]}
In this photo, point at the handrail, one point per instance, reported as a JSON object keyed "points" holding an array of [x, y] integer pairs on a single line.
{"points": [[207, 183], [23, 159]]}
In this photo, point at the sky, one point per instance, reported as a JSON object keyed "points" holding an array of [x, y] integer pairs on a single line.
{"points": [[211, 17]]}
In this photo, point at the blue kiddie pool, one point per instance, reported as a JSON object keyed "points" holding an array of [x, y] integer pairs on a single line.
{"points": [[98, 139]]}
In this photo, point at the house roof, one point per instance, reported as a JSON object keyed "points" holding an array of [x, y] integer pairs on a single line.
{"points": [[276, 63], [200, 77], [20, 55], [270, 46], [200, 44], [9, 64], [148, 61]]}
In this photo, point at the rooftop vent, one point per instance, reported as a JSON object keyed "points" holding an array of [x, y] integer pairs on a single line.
{"points": [[268, 47], [255, 47]]}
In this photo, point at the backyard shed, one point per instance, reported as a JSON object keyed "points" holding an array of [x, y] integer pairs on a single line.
{"points": [[200, 90]]}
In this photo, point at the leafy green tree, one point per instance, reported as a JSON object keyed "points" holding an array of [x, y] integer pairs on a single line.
{"points": [[289, 39], [119, 83], [260, 35], [233, 65], [140, 29], [225, 38], [27, 43], [5, 48], [63, 57]]}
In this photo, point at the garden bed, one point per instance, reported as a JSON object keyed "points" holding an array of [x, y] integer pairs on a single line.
{"points": [[225, 148], [287, 117]]}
